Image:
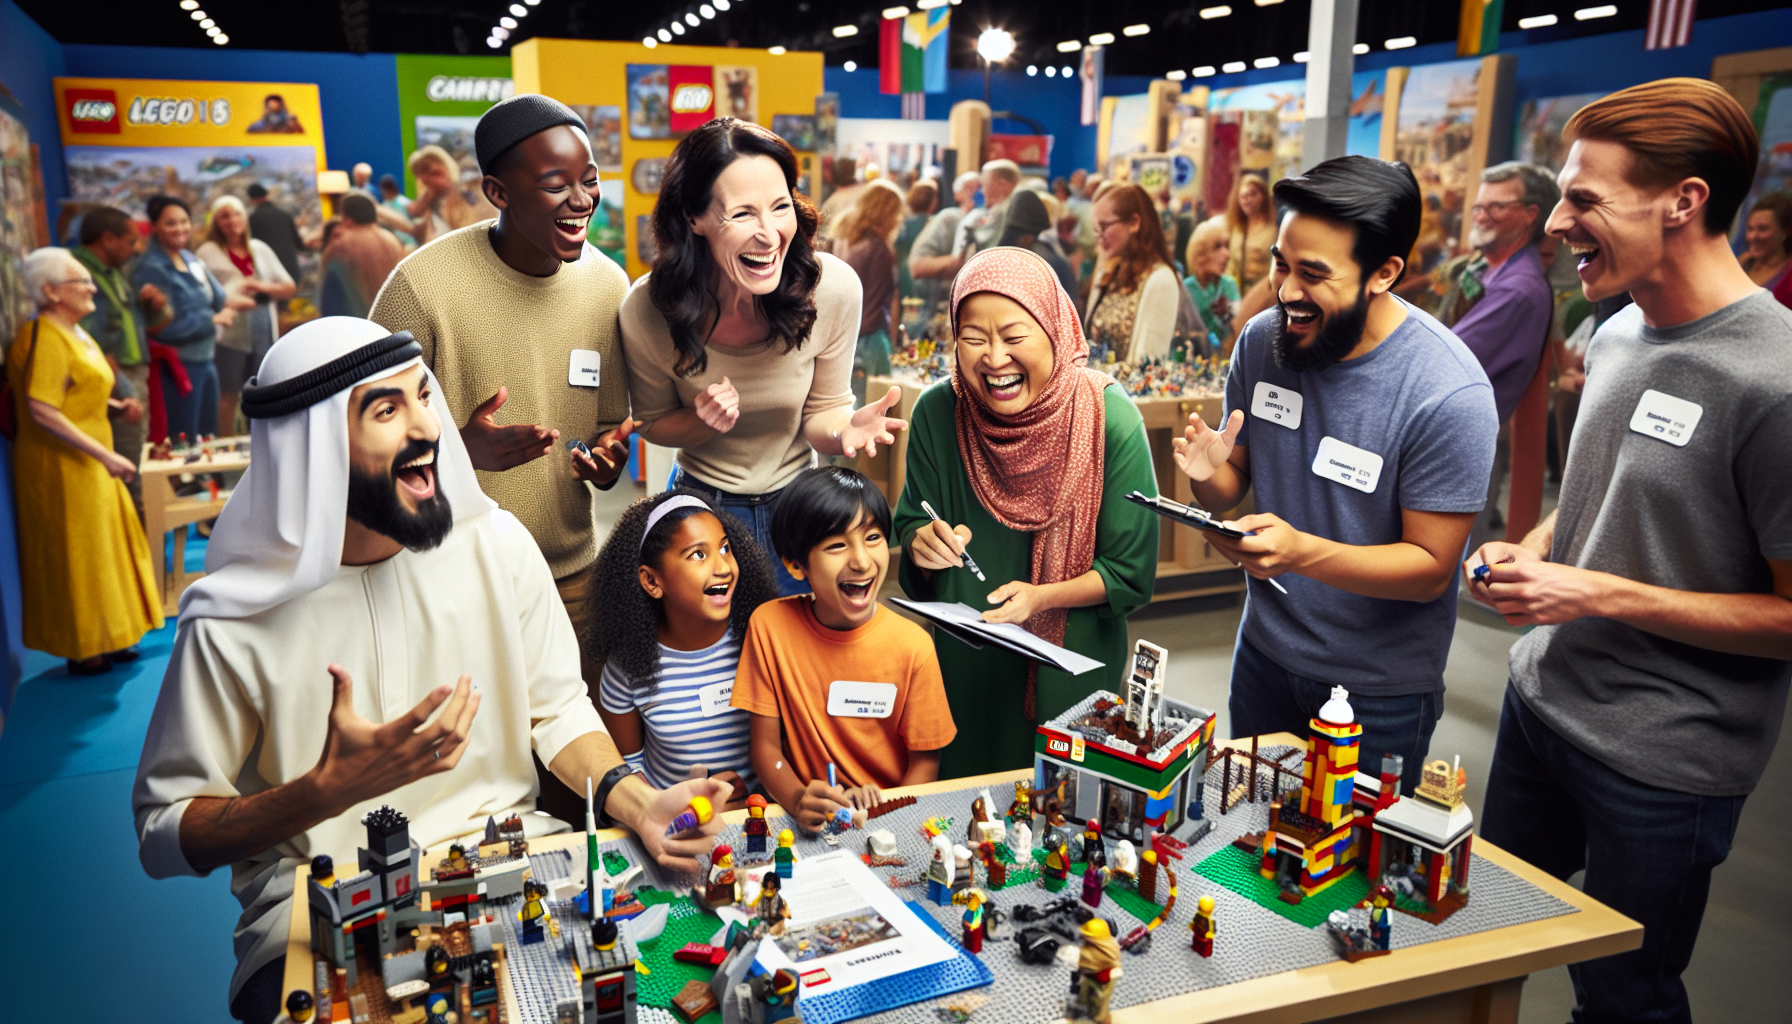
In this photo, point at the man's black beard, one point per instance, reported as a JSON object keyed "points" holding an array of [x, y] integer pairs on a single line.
{"points": [[1338, 334], [374, 503]]}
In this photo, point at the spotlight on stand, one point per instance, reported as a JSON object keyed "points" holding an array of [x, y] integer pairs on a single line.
{"points": [[993, 45]]}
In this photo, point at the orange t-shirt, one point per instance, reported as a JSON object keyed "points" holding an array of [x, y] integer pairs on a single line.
{"points": [[861, 699]]}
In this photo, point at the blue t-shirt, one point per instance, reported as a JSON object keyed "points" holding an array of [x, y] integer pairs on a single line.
{"points": [[1410, 425], [688, 720]]}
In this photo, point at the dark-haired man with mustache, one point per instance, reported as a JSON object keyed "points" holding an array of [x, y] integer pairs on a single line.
{"points": [[1365, 430], [372, 629]]}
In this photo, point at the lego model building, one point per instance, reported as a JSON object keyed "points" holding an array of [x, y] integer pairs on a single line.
{"points": [[378, 904], [1127, 766], [1309, 847], [1420, 847]]}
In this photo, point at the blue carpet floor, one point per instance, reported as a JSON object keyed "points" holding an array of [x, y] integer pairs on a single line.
{"points": [[96, 941]]}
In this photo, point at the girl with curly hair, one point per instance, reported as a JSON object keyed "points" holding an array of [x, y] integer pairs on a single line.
{"points": [[676, 583]]}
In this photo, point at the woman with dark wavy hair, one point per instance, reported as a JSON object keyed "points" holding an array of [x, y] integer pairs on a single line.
{"points": [[740, 342]]}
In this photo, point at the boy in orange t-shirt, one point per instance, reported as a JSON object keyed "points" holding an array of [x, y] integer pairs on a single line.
{"points": [[832, 677]]}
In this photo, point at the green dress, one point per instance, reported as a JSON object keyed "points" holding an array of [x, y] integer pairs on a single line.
{"points": [[987, 687]]}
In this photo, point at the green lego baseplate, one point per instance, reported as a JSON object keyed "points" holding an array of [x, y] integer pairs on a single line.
{"points": [[1123, 895], [1239, 871], [685, 923]]}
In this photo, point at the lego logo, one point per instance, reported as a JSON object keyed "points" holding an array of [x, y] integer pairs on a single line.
{"points": [[94, 110], [1057, 746], [692, 99]]}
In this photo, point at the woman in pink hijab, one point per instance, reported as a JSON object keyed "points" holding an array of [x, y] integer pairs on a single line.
{"points": [[1027, 456]]}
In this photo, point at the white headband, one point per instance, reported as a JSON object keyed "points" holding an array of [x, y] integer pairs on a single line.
{"points": [[665, 509]]}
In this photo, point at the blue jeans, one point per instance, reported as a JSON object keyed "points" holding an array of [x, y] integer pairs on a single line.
{"points": [[195, 412], [1648, 854], [754, 510], [1268, 698]]}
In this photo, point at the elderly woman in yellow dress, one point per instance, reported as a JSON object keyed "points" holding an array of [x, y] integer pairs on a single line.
{"points": [[89, 592]]}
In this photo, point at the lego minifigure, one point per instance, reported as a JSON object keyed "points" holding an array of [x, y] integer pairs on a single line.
{"points": [[695, 816], [723, 889], [1202, 927], [1097, 969], [437, 970], [1092, 885], [1057, 863], [535, 911], [962, 876], [785, 855], [755, 827], [1381, 917], [299, 1007], [457, 858], [940, 871], [1268, 867], [323, 870], [777, 992], [770, 908], [1094, 850], [972, 900], [437, 1008], [1148, 875], [603, 935], [1021, 810], [1125, 864]]}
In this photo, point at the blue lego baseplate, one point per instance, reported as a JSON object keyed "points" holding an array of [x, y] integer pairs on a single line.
{"points": [[962, 972]]}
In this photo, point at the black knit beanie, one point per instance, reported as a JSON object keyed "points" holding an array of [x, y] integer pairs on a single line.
{"points": [[515, 119]]}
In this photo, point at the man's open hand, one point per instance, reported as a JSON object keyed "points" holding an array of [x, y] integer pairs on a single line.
{"points": [[362, 760], [494, 448]]}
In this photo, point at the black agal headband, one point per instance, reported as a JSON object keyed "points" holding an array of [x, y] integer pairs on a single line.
{"points": [[267, 401]]}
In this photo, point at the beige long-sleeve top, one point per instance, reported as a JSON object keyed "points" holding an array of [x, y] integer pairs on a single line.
{"points": [[245, 705], [779, 390], [481, 325]]}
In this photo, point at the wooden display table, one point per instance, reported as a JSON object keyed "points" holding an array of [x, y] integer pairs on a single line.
{"points": [[1475, 979], [1187, 565], [163, 511]]}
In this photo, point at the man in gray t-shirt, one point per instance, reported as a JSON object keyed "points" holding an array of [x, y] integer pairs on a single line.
{"points": [[931, 261], [1365, 430], [1644, 706]]}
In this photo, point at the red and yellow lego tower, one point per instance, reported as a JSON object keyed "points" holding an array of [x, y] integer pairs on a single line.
{"points": [[1320, 833], [1329, 779]]}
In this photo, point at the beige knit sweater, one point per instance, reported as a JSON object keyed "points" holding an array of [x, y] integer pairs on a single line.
{"points": [[482, 324]]}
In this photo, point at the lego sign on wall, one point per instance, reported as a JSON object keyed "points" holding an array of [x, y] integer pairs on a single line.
{"points": [[693, 96]]}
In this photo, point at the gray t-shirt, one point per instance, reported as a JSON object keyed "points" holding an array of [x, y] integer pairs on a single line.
{"points": [[1412, 425], [936, 238], [1703, 516]]}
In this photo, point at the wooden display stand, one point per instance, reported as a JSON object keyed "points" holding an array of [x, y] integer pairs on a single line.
{"points": [[163, 510], [1187, 565]]}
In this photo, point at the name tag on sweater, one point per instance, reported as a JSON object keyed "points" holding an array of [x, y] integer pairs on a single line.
{"points": [[1665, 417], [713, 700], [1276, 404], [583, 373], [1347, 464], [847, 699]]}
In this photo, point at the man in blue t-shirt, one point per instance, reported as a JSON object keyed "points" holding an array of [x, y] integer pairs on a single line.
{"points": [[1366, 431]]}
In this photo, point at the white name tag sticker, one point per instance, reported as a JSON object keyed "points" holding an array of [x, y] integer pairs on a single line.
{"points": [[1276, 404], [712, 700], [583, 372], [1347, 464], [1665, 417], [847, 699]]}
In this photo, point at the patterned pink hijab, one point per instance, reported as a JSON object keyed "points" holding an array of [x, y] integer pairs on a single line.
{"points": [[1039, 471]]}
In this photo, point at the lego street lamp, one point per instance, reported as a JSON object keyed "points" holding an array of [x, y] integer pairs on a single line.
{"points": [[993, 45]]}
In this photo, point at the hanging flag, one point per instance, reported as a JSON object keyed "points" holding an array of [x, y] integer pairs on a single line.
{"points": [[1670, 24], [1478, 31], [912, 52], [1090, 73]]}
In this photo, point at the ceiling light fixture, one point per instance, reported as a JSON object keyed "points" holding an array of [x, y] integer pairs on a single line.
{"points": [[1050, 71], [1540, 21], [212, 31], [1032, 70], [1359, 49], [665, 36], [1589, 13], [1210, 13], [721, 5], [1135, 30], [842, 31], [188, 5], [1266, 62], [220, 39], [1069, 46], [707, 11], [500, 33], [1101, 39], [1177, 75], [1205, 71], [1232, 67], [928, 5], [851, 66], [678, 28], [892, 13], [519, 10], [1302, 56], [776, 51], [1065, 72], [198, 15], [507, 21], [207, 23], [494, 42], [650, 42], [995, 45], [1268, 3], [1401, 42], [691, 19]]}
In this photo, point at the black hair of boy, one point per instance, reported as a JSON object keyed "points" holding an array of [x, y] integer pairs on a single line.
{"points": [[623, 624], [822, 503], [1380, 198]]}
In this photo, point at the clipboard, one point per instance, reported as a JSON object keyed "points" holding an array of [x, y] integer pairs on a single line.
{"points": [[1188, 515]]}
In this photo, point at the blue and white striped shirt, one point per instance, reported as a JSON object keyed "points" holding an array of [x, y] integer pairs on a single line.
{"points": [[678, 733]]}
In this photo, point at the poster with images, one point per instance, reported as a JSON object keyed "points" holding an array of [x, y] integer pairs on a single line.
{"points": [[737, 92], [1434, 135], [827, 121], [1288, 101], [607, 229], [454, 134], [1540, 124], [441, 90], [1130, 131], [20, 214], [796, 129], [1773, 125], [1368, 99], [649, 102], [604, 125]]}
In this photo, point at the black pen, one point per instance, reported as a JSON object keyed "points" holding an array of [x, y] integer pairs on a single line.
{"points": [[969, 562]]}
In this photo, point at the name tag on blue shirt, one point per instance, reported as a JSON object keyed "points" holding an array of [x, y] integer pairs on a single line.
{"points": [[1276, 404], [1347, 464], [849, 699], [713, 700], [1665, 417]]}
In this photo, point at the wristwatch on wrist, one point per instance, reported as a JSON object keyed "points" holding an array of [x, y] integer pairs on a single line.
{"points": [[602, 795]]}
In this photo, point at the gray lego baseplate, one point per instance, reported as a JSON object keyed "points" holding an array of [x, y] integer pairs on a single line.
{"points": [[1250, 941], [541, 973]]}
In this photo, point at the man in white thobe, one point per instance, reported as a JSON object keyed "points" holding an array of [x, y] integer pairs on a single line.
{"points": [[372, 629]]}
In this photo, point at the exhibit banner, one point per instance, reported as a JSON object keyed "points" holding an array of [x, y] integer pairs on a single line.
{"points": [[440, 99], [127, 139]]}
